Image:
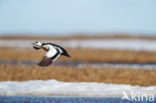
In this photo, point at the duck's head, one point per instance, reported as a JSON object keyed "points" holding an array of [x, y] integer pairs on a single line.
{"points": [[37, 45]]}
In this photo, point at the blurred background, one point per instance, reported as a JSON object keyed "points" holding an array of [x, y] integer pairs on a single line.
{"points": [[118, 36], [68, 17]]}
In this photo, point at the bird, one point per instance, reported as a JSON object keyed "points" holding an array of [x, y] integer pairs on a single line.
{"points": [[53, 52]]}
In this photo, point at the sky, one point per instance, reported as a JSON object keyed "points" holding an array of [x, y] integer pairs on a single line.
{"points": [[77, 16]]}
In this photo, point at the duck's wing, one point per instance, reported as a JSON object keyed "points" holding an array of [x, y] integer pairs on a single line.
{"points": [[49, 58], [45, 61]]}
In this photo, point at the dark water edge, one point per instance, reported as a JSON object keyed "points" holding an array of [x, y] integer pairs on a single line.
{"points": [[66, 99], [148, 65]]}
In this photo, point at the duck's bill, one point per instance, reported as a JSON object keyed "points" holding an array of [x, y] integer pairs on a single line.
{"points": [[35, 46]]}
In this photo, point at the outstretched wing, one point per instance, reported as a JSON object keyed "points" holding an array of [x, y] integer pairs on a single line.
{"points": [[49, 58], [45, 61]]}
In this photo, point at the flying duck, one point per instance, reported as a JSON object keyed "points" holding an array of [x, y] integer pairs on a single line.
{"points": [[53, 52]]}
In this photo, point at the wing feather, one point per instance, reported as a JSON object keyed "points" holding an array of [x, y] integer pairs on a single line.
{"points": [[49, 57], [45, 61]]}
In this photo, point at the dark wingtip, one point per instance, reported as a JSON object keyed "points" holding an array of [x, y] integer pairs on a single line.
{"points": [[68, 55]]}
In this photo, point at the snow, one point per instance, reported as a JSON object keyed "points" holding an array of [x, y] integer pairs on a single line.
{"points": [[54, 87], [121, 44]]}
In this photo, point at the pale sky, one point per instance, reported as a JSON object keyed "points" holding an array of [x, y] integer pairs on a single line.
{"points": [[77, 16]]}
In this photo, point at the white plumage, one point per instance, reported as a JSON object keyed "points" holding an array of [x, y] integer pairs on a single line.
{"points": [[52, 51]]}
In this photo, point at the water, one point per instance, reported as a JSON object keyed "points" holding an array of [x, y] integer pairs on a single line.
{"points": [[148, 65], [62, 99]]}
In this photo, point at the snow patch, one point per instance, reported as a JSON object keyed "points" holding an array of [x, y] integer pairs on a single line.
{"points": [[121, 44], [54, 87]]}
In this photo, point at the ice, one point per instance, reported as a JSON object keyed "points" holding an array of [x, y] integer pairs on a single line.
{"points": [[54, 87]]}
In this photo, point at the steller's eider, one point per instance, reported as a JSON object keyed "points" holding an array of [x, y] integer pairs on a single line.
{"points": [[53, 52]]}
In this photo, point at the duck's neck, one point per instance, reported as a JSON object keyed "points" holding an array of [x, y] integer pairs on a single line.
{"points": [[45, 47]]}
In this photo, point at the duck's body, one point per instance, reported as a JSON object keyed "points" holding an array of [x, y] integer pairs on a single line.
{"points": [[53, 52]]}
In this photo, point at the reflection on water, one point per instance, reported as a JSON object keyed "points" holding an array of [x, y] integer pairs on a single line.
{"points": [[134, 65]]}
